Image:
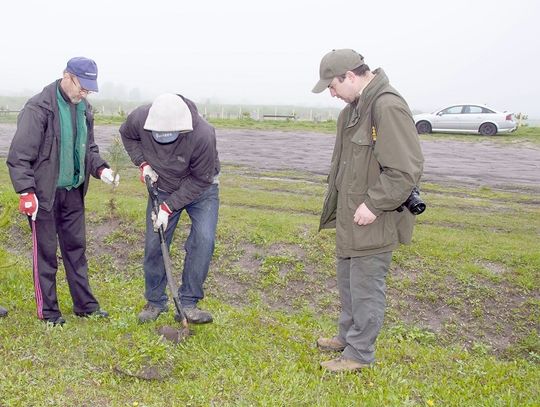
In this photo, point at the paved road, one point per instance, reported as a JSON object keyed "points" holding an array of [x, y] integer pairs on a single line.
{"points": [[451, 162]]}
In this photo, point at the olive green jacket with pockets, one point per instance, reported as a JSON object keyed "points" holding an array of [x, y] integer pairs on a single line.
{"points": [[380, 174]]}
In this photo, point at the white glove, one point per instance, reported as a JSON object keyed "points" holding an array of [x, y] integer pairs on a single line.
{"points": [[108, 177], [147, 170], [162, 218]]}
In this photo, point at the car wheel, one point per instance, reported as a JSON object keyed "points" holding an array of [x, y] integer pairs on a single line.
{"points": [[488, 129], [423, 127]]}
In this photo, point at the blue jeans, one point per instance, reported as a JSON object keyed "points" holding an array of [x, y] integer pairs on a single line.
{"points": [[199, 248]]}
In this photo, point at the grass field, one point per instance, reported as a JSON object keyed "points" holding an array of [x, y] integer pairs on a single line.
{"points": [[522, 135], [461, 326]]}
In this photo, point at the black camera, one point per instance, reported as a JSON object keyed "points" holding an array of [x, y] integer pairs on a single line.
{"points": [[414, 203]]}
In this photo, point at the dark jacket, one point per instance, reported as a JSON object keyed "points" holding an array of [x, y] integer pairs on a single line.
{"points": [[33, 158], [186, 167], [380, 175]]}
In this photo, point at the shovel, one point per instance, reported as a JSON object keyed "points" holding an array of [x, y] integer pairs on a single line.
{"points": [[153, 191]]}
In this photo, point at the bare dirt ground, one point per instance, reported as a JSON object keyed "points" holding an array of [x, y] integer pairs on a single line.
{"points": [[513, 167]]}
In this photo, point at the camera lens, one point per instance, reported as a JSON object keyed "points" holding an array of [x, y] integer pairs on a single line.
{"points": [[417, 208], [414, 203]]}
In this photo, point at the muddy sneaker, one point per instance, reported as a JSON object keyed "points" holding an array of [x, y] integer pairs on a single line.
{"points": [[3, 312], [342, 364], [195, 316], [150, 313], [333, 344]]}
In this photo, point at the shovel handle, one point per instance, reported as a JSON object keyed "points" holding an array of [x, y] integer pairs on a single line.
{"points": [[153, 192]]}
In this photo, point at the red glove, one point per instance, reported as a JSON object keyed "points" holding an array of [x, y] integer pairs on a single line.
{"points": [[28, 204], [147, 170]]}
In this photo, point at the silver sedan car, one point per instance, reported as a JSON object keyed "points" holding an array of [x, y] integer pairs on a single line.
{"points": [[466, 118]]}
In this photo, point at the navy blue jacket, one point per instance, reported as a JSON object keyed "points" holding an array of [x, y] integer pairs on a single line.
{"points": [[186, 167], [33, 158]]}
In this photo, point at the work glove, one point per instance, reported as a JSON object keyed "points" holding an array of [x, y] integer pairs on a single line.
{"points": [[162, 218], [147, 170], [28, 204], [108, 177]]}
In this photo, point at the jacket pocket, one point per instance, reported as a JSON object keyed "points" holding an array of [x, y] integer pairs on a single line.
{"points": [[378, 234]]}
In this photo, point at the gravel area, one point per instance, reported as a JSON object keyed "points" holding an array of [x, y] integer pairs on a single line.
{"points": [[503, 166]]}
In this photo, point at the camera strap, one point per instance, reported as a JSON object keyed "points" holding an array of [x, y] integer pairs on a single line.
{"points": [[372, 117], [373, 125], [374, 140]]}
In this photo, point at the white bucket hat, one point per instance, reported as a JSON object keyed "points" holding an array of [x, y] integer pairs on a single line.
{"points": [[169, 114]]}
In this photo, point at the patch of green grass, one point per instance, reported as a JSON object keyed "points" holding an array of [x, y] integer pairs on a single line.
{"points": [[521, 135], [461, 327], [279, 270], [283, 125]]}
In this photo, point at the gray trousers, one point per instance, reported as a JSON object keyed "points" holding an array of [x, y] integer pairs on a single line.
{"points": [[362, 290]]}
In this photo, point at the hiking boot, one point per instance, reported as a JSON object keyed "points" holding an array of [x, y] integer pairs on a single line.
{"points": [[150, 313], [333, 344], [3, 312], [99, 313], [55, 321], [195, 315], [342, 364]]}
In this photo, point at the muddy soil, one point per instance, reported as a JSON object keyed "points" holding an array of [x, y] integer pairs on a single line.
{"points": [[487, 163]]}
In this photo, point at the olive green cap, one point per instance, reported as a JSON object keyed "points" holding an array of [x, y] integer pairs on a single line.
{"points": [[336, 63]]}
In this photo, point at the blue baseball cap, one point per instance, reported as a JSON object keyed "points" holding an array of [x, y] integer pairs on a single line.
{"points": [[85, 70]]}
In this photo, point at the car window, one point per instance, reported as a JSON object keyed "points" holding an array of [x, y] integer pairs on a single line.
{"points": [[452, 110], [476, 109], [484, 110]]}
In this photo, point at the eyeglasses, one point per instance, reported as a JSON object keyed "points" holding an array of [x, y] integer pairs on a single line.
{"points": [[79, 87]]}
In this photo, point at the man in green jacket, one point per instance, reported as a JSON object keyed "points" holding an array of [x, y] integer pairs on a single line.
{"points": [[377, 161]]}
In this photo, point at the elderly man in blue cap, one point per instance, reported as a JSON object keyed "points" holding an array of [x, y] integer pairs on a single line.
{"points": [[50, 161]]}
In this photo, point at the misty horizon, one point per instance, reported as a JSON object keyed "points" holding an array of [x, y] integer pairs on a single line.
{"points": [[235, 53]]}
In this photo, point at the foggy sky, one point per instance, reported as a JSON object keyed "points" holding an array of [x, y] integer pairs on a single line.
{"points": [[435, 53]]}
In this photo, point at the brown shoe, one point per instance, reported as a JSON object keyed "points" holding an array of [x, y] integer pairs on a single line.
{"points": [[343, 365], [333, 344]]}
